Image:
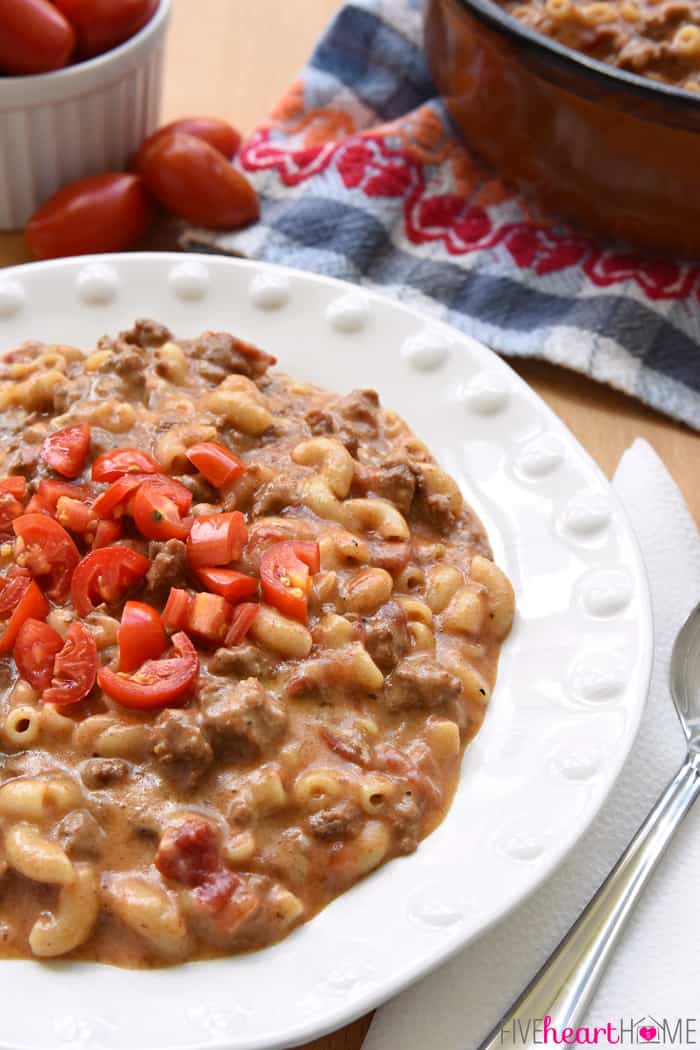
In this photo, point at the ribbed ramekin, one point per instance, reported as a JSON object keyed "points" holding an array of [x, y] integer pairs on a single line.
{"points": [[82, 120]]}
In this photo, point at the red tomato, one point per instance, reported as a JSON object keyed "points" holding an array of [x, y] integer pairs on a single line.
{"points": [[208, 617], [47, 551], [218, 464], [157, 683], [217, 132], [74, 669], [105, 575], [216, 539], [156, 515], [67, 449], [76, 516], [102, 213], [34, 652], [141, 636], [107, 532], [285, 577], [191, 179], [120, 461], [234, 586], [49, 493], [101, 25], [112, 503], [22, 600], [12, 494], [16, 487], [188, 854], [242, 620], [34, 37], [176, 612]]}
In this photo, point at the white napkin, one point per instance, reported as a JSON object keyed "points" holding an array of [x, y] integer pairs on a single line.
{"points": [[656, 968]]}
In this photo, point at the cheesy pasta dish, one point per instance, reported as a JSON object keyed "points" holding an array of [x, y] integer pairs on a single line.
{"points": [[247, 628]]}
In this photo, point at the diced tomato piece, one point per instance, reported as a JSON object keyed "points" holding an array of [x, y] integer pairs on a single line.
{"points": [[15, 486], [188, 854], [66, 451], [208, 617], [106, 533], [285, 575], [216, 539], [49, 492], [113, 502], [175, 615], [105, 575], [76, 516], [232, 585], [20, 600], [157, 683], [141, 636], [47, 551], [156, 514], [243, 618], [74, 669], [120, 461], [218, 464], [12, 495], [34, 652]]}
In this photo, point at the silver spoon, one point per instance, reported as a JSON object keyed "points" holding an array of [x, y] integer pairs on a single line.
{"points": [[564, 986]]}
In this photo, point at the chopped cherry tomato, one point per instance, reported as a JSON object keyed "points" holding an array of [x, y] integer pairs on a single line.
{"points": [[105, 575], [106, 533], [141, 636], [34, 37], [67, 449], [15, 486], [12, 494], [192, 179], [217, 132], [47, 551], [208, 617], [177, 609], [101, 25], [49, 493], [120, 461], [74, 669], [76, 516], [234, 586], [285, 576], [218, 464], [113, 502], [156, 514], [34, 651], [244, 616], [157, 683], [216, 539], [102, 213], [21, 600]]}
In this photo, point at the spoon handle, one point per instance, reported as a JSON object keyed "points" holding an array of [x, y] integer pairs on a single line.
{"points": [[563, 988]]}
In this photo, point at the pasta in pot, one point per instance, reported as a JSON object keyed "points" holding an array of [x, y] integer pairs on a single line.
{"points": [[249, 628]]}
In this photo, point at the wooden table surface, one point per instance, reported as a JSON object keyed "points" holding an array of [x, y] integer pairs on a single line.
{"points": [[234, 58]]}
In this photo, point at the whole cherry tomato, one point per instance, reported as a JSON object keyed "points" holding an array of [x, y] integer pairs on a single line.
{"points": [[217, 132], [34, 37], [103, 213], [192, 179], [101, 25]]}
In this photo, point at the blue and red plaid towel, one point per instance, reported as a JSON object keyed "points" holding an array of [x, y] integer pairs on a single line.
{"points": [[361, 177]]}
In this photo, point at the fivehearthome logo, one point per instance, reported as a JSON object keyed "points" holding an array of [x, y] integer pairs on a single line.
{"points": [[626, 1031]]}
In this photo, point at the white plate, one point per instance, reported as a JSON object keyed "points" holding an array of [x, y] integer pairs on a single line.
{"points": [[571, 684]]}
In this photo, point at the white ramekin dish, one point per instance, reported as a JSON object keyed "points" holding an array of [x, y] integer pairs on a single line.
{"points": [[81, 120]]}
